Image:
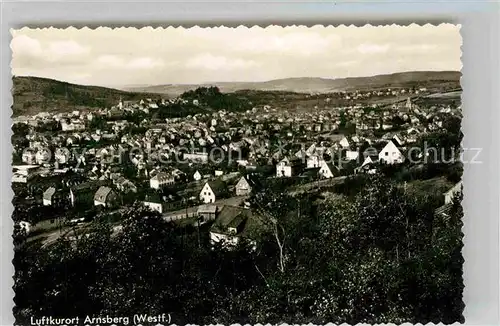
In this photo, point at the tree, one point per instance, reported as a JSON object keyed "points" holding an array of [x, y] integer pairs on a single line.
{"points": [[379, 255]]}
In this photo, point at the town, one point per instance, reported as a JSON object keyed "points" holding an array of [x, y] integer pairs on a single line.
{"points": [[74, 167], [238, 175]]}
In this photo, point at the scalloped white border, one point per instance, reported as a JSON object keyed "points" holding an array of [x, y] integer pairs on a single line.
{"points": [[474, 81], [256, 27]]}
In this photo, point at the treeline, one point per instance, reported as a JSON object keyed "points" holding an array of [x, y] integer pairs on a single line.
{"points": [[77, 97], [381, 256], [209, 99], [214, 99]]}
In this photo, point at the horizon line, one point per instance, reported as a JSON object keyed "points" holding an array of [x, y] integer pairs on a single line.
{"points": [[120, 87]]}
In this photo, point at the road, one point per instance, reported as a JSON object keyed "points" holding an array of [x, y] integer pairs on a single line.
{"points": [[316, 185], [190, 211], [52, 236]]}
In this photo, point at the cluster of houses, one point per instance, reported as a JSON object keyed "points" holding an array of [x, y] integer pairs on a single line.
{"points": [[101, 155]]}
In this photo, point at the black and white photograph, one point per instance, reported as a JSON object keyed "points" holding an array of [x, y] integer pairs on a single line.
{"points": [[222, 175]]}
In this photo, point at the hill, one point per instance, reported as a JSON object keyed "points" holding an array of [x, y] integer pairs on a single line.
{"points": [[435, 79], [33, 94]]}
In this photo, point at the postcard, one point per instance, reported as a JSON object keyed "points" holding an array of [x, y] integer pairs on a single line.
{"points": [[280, 174]]}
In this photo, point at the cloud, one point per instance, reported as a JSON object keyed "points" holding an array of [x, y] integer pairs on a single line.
{"points": [[212, 62], [347, 63], [191, 55], [117, 62], [24, 45], [66, 48], [110, 61], [145, 63], [416, 48], [31, 52], [302, 43], [372, 48]]}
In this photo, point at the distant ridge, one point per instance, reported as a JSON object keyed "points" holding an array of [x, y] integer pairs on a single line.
{"points": [[319, 85], [35, 94]]}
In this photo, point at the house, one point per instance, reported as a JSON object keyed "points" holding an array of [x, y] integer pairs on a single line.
{"points": [[83, 194], [450, 194], [198, 157], [313, 161], [43, 156], [155, 203], [23, 173], [288, 167], [232, 224], [301, 154], [29, 156], [72, 125], [104, 196], [47, 196], [26, 226], [197, 176], [390, 154], [161, 179], [18, 177], [243, 187], [206, 212], [211, 191], [62, 155], [351, 155], [345, 143], [327, 170], [125, 185], [446, 209], [368, 165]]}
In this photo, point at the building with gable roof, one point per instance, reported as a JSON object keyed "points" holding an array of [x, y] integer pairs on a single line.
{"points": [[212, 190]]}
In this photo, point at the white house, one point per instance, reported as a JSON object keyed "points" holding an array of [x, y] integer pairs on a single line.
{"points": [[161, 179], [200, 157], [154, 203], [19, 178], [313, 161], [104, 196], [197, 176], [344, 142], [450, 194], [72, 125], [29, 156], [390, 154], [211, 191], [22, 173], [26, 226], [243, 187], [327, 170], [351, 155], [62, 155], [47, 196], [287, 167], [367, 166]]}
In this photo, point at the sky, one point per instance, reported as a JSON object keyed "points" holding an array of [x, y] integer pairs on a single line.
{"points": [[130, 56]]}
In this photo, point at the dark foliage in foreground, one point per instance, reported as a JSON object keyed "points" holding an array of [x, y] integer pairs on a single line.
{"points": [[381, 257]]}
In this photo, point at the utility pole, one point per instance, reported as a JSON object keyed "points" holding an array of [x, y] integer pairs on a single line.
{"points": [[199, 244]]}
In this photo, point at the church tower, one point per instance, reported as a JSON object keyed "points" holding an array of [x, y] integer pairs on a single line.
{"points": [[408, 103]]}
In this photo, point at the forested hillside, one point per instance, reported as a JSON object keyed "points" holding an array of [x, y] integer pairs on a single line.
{"points": [[33, 95]]}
